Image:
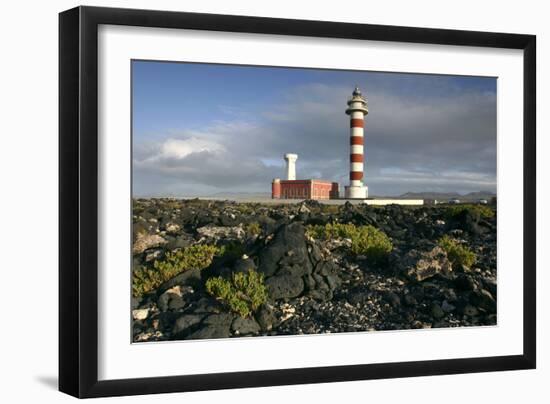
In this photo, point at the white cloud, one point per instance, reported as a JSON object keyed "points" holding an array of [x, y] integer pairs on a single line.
{"points": [[181, 148]]}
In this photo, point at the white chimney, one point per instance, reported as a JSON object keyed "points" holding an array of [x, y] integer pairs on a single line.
{"points": [[291, 166]]}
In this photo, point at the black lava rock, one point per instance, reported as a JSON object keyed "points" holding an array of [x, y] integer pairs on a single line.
{"points": [[284, 286]]}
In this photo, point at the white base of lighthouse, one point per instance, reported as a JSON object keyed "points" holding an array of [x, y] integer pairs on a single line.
{"points": [[356, 192]]}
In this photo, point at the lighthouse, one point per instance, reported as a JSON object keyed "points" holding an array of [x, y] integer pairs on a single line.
{"points": [[293, 188], [357, 109]]}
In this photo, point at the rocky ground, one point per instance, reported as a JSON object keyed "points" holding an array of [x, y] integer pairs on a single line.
{"points": [[313, 286]]}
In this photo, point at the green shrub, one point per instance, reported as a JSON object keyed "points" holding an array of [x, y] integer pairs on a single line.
{"points": [[146, 279], [481, 210], [330, 209], [365, 240], [170, 204], [137, 209], [246, 208], [244, 293], [194, 257], [253, 228], [457, 253]]}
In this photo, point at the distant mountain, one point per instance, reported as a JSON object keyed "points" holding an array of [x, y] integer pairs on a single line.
{"points": [[442, 196]]}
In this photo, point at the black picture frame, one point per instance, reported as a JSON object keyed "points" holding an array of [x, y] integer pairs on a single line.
{"points": [[78, 201]]}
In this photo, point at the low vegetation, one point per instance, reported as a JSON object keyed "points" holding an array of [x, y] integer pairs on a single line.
{"points": [[246, 208], [481, 210], [243, 293], [146, 278], [330, 209], [457, 253], [253, 228], [365, 240]]}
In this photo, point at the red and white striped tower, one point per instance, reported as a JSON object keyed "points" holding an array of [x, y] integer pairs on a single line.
{"points": [[357, 109]]}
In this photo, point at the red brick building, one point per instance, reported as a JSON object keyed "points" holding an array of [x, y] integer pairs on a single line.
{"points": [[304, 189]]}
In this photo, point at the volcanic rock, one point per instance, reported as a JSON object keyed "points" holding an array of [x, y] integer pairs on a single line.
{"points": [[284, 286], [421, 265], [214, 326], [266, 317], [245, 326], [437, 311], [289, 241], [140, 314], [185, 322], [314, 286], [467, 220], [190, 277], [244, 265], [146, 241], [220, 232], [482, 298]]}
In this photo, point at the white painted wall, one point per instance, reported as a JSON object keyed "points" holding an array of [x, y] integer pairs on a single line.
{"points": [[290, 160], [28, 163]]}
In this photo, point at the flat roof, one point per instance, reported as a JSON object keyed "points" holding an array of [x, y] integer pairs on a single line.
{"points": [[308, 181]]}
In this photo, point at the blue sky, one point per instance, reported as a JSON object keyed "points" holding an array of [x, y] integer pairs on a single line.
{"points": [[200, 129]]}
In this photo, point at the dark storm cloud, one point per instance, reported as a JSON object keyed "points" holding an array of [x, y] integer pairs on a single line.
{"points": [[414, 142]]}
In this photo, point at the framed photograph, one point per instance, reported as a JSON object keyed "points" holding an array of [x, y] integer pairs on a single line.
{"points": [[251, 201]]}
